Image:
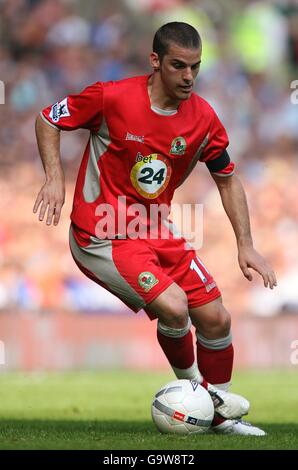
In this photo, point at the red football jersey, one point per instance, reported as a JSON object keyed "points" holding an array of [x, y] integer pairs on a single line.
{"points": [[135, 154]]}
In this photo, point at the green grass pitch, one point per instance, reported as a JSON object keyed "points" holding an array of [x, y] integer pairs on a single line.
{"points": [[111, 410]]}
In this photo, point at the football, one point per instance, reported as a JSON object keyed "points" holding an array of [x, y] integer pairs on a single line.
{"points": [[182, 407]]}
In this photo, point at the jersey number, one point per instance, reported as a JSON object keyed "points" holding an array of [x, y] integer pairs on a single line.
{"points": [[149, 173]]}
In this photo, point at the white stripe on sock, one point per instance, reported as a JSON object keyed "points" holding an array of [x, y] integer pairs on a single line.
{"points": [[225, 387], [192, 373]]}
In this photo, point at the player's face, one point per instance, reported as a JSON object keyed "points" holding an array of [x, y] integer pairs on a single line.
{"points": [[178, 71]]}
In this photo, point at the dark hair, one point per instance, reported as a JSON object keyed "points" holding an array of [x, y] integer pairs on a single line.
{"points": [[181, 34]]}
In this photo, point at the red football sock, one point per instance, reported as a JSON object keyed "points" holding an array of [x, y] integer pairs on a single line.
{"points": [[215, 364], [217, 420], [179, 351]]}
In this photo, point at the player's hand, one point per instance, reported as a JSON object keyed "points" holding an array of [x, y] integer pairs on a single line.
{"points": [[50, 198], [248, 257]]}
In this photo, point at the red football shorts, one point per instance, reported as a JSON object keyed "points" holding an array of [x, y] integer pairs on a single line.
{"points": [[138, 271]]}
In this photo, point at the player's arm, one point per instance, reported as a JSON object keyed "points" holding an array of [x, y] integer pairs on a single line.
{"points": [[51, 196], [83, 110], [235, 204]]}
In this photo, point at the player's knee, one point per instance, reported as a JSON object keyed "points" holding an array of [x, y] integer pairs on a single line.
{"points": [[171, 307], [224, 321], [219, 323], [177, 320], [175, 313], [174, 320]]}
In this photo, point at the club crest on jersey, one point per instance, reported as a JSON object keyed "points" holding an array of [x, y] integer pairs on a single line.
{"points": [[59, 110], [147, 280], [178, 146]]}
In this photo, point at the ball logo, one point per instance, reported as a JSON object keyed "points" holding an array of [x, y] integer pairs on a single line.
{"points": [[194, 384], [178, 146], [179, 416], [147, 280], [150, 175]]}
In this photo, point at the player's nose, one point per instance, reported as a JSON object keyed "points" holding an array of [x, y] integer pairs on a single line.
{"points": [[187, 76]]}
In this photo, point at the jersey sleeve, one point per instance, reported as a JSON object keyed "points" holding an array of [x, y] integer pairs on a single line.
{"points": [[84, 110], [215, 153]]}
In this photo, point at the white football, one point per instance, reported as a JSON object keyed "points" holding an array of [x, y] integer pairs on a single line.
{"points": [[182, 407]]}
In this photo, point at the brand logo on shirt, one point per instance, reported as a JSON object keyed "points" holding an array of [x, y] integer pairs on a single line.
{"points": [[136, 138], [147, 280], [59, 110], [178, 146]]}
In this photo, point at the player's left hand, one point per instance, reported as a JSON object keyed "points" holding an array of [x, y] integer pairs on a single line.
{"points": [[248, 257]]}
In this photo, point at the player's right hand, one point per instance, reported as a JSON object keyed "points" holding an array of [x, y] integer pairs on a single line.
{"points": [[51, 197]]}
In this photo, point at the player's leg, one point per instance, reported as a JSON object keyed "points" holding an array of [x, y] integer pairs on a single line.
{"points": [[197, 287], [173, 332], [119, 267], [215, 358], [132, 272], [196, 281], [215, 351], [175, 338]]}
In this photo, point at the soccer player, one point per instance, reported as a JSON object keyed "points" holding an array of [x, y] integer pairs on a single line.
{"points": [[146, 135]]}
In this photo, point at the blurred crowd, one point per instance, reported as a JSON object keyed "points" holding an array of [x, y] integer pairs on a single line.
{"points": [[51, 48]]}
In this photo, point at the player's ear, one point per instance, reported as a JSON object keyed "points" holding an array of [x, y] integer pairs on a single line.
{"points": [[154, 61]]}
